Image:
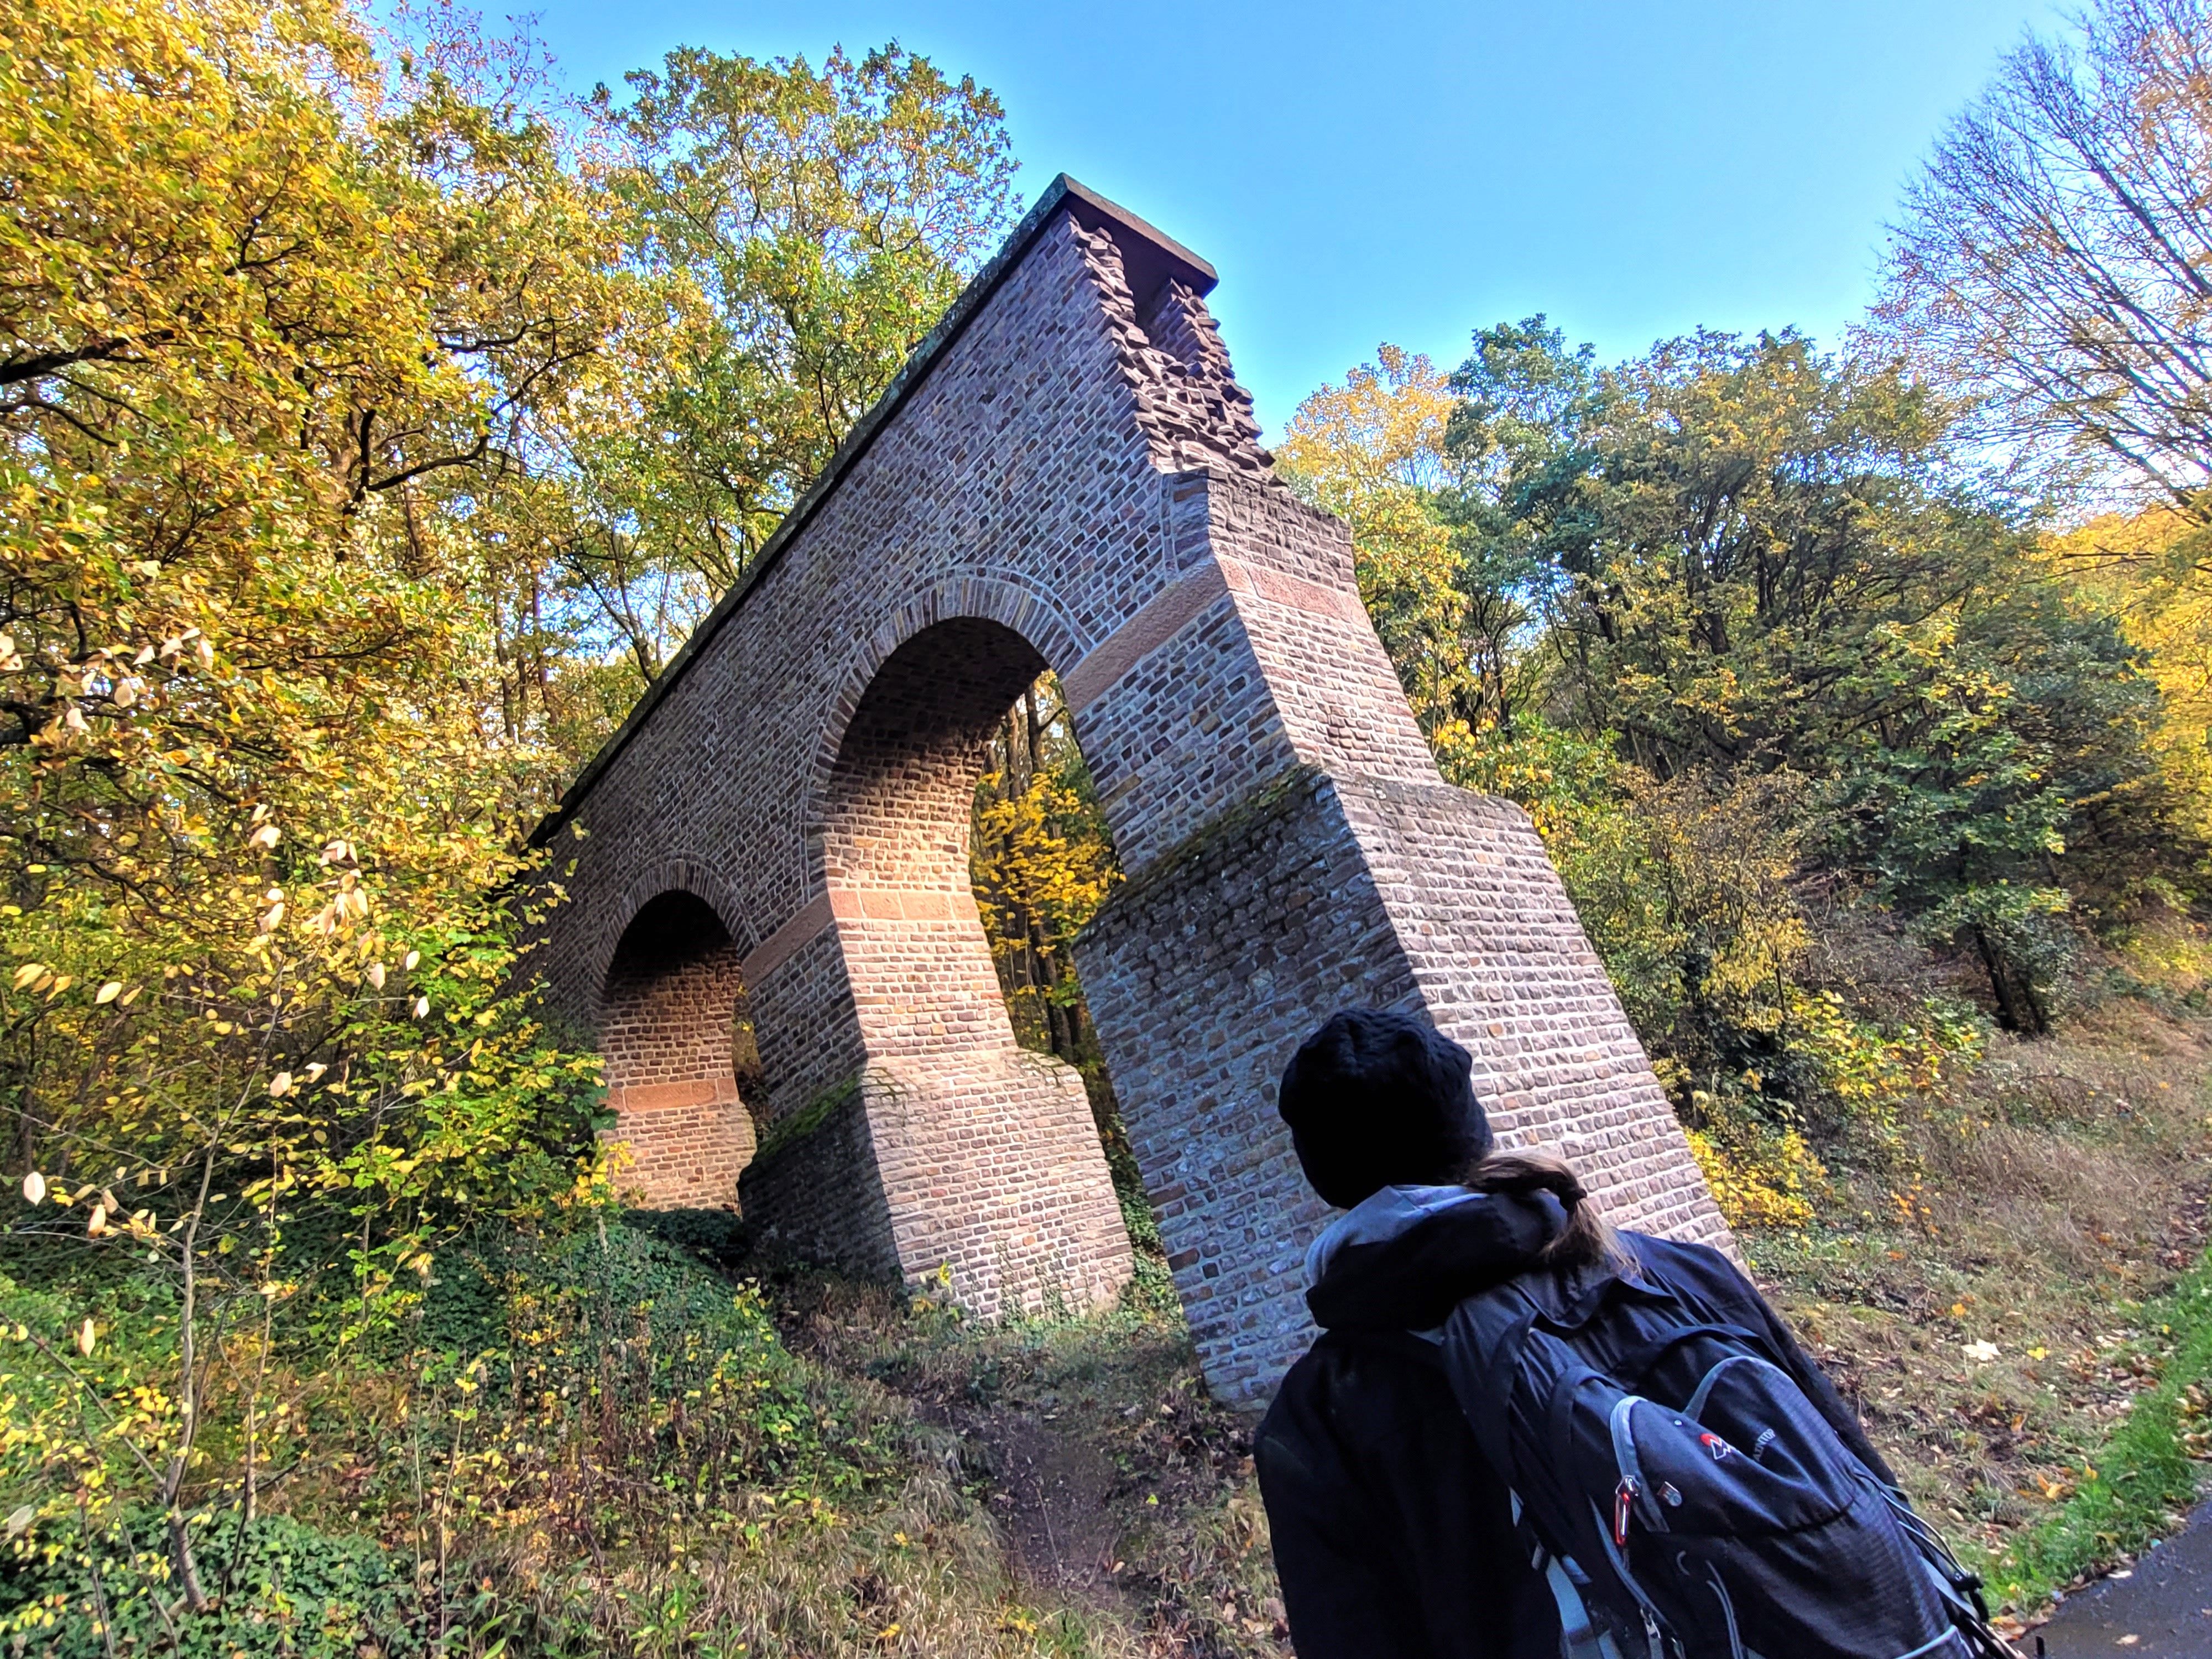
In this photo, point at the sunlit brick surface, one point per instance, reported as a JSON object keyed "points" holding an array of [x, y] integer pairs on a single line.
{"points": [[1076, 481]]}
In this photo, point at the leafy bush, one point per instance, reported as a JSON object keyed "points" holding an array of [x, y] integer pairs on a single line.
{"points": [[1762, 1174], [280, 1589], [623, 1388], [1869, 1074], [593, 1384]]}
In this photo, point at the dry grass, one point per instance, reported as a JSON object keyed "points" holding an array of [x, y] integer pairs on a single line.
{"points": [[923, 1574], [1070, 1491], [2057, 1193]]}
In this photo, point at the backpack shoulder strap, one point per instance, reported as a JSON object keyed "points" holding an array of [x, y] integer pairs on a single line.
{"points": [[1639, 1359], [1482, 1345]]}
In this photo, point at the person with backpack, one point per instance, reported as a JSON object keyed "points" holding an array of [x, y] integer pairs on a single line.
{"points": [[1522, 1435]]}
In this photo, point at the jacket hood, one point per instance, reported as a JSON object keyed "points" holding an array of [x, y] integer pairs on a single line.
{"points": [[1406, 1256]]}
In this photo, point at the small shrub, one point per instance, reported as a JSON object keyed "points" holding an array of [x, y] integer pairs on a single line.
{"points": [[1761, 1175], [1862, 1077], [631, 1386]]}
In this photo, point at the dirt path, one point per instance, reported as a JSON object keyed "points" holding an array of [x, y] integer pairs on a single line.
{"points": [[1118, 1488], [1055, 1493], [2161, 1609]]}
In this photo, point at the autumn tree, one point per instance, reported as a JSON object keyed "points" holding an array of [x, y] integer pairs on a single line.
{"points": [[2054, 265], [1042, 863], [1371, 451], [2056, 256], [2140, 568], [1761, 560], [787, 236], [278, 313], [818, 224]]}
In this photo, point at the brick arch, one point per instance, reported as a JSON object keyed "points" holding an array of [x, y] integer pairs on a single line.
{"points": [[1021, 608], [677, 873], [892, 813], [1068, 460], [675, 1036], [1022, 1208]]}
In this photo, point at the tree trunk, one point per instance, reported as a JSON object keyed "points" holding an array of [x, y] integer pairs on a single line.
{"points": [[2019, 1008]]}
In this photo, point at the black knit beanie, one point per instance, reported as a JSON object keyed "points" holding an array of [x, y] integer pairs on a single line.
{"points": [[1377, 1099]]}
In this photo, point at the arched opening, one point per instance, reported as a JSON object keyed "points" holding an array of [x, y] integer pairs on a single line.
{"points": [[678, 1046], [895, 832], [1042, 862], [989, 1150]]}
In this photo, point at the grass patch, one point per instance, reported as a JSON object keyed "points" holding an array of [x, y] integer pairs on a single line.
{"points": [[592, 1443], [2149, 1473], [2004, 1305]]}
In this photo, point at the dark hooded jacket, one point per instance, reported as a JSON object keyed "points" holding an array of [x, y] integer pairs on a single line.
{"points": [[1393, 1537]]}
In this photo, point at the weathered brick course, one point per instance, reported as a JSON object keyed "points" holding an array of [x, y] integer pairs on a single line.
{"points": [[1066, 475]]}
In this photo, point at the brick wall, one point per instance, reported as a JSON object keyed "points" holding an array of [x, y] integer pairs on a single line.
{"points": [[672, 1004], [1067, 476]]}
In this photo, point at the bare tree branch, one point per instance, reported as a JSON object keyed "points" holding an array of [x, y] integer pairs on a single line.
{"points": [[2056, 258]]}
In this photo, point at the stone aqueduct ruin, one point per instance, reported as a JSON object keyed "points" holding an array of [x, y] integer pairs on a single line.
{"points": [[1064, 476]]}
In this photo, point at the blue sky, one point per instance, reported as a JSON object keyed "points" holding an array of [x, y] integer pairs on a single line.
{"points": [[1410, 172]]}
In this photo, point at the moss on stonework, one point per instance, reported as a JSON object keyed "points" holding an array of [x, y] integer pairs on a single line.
{"points": [[808, 1121], [1275, 799]]}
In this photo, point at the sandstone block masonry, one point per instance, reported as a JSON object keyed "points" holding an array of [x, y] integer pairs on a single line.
{"points": [[1066, 475]]}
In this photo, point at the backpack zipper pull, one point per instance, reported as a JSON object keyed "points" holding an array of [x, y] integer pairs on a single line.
{"points": [[1624, 1497]]}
